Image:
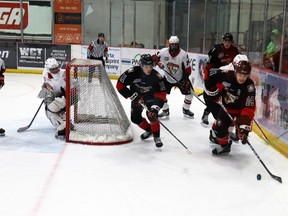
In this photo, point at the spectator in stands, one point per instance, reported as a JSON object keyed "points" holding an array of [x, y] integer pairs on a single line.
{"points": [[271, 56]]}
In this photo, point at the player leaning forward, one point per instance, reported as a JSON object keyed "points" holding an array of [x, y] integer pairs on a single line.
{"points": [[2, 70], [146, 88], [175, 62], [53, 93], [232, 86]]}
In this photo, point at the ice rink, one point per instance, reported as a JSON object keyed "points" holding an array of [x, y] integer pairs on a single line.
{"points": [[47, 177]]}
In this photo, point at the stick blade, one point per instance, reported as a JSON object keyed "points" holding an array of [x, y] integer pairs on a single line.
{"points": [[277, 178], [21, 129]]}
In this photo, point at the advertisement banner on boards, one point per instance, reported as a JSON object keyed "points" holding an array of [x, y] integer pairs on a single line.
{"points": [[31, 55], [8, 54], [34, 55], [113, 66], [62, 53]]}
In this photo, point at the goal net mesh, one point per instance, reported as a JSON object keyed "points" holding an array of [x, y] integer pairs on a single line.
{"points": [[94, 114]]}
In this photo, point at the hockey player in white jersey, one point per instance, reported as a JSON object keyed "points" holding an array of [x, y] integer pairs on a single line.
{"points": [[53, 93], [175, 62]]}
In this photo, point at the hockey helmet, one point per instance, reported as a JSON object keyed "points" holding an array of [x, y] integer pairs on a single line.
{"points": [[173, 40], [241, 64], [101, 35], [146, 59], [51, 63], [227, 37]]}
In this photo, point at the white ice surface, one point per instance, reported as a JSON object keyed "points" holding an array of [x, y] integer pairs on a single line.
{"points": [[40, 175]]}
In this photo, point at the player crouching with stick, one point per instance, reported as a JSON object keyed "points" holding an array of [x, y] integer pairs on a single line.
{"points": [[146, 89], [235, 90], [53, 93]]}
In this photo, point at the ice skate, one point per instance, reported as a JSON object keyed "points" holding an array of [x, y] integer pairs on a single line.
{"points": [[60, 134], [204, 119], [188, 113], [158, 142], [225, 149], [146, 135], [164, 113], [2, 132]]}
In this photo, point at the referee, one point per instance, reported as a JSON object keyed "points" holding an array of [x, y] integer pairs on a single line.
{"points": [[98, 49]]}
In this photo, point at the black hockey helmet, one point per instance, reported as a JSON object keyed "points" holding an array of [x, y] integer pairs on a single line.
{"points": [[243, 67], [101, 35], [227, 37], [146, 59]]}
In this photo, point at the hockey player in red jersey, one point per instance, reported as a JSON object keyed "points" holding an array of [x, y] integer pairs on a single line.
{"points": [[2, 70], [220, 55], [175, 61], [146, 87], [236, 91]]}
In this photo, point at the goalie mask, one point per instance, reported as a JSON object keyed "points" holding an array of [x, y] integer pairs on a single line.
{"points": [[174, 44], [52, 65]]}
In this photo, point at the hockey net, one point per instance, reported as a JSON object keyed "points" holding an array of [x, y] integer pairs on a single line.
{"points": [[94, 113]]}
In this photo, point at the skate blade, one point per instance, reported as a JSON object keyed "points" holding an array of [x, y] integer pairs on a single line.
{"points": [[204, 125], [187, 116]]}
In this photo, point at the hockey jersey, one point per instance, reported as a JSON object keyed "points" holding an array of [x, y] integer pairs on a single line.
{"points": [[219, 56], [148, 87], [177, 65], [239, 99], [56, 81]]}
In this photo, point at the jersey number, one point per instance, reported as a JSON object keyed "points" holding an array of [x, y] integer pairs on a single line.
{"points": [[250, 101]]}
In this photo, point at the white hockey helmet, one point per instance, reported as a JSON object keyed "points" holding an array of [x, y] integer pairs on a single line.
{"points": [[240, 57], [173, 39], [241, 64], [51, 63]]}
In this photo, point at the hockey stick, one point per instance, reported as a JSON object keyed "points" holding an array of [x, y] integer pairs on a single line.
{"points": [[193, 92], [261, 130], [277, 178], [21, 129], [145, 107]]}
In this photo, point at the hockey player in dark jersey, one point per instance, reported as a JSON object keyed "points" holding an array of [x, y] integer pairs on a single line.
{"points": [[236, 91], [146, 87], [220, 55]]}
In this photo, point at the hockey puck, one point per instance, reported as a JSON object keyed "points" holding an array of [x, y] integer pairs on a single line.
{"points": [[259, 177]]}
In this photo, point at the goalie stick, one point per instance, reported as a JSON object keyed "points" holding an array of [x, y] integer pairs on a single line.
{"points": [[21, 129], [277, 178], [146, 108]]}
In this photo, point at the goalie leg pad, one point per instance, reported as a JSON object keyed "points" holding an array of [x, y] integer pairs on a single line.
{"points": [[57, 105], [58, 120]]}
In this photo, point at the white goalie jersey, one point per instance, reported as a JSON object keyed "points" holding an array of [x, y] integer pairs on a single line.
{"points": [[57, 82], [174, 64]]}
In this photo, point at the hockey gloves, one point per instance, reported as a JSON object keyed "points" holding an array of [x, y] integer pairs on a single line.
{"points": [[243, 135], [152, 114], [185, 85], [1, 81], [160, 65]]}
